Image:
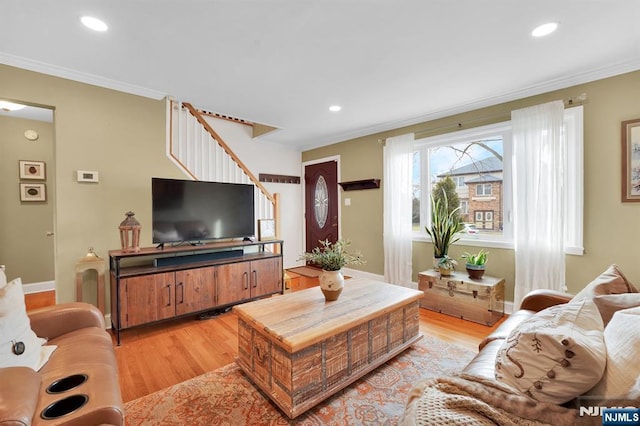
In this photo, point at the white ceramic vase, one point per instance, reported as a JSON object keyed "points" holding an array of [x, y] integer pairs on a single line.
{"points": [[331, 284]]}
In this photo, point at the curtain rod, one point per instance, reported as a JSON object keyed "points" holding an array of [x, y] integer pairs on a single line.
{"points": [[570, 102]]}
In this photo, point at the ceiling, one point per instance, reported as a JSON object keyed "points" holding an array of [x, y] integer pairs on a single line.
{"points": [[30, 113], [284, 62]]}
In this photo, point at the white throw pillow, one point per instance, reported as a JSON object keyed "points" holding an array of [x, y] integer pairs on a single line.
{"points": [[611, 281], [556, 355], [621, 377], [609, 304], [16, 327]]}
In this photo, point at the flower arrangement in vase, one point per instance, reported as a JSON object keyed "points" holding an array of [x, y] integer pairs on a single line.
{"points": [[331, 257], [446, 265]]}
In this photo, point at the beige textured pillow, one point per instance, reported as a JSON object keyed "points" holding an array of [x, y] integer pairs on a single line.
{"points": [[622, 337], [611, 281], [609, 304], [16, 327], [556, 355]]}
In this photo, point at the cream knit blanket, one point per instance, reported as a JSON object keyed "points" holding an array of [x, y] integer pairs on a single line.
{"points": [[470, 400]]}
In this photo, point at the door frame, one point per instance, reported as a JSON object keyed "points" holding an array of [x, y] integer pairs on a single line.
{"points": [[335, 158]]}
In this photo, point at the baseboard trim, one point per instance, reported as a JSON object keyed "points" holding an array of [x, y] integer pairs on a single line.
{"points": [[39, 287], [508, 308]]}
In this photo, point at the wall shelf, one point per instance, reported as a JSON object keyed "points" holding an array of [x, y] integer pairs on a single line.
{"points": [[265, 177], [355, 185]]}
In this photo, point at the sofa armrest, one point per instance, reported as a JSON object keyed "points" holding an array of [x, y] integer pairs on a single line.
{"points": [[56, 320], [538, 300], [19, 395]]}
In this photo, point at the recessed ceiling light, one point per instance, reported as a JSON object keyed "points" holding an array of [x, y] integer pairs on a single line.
{"points": [[544, 29], [94, 23], [10, 106], [335, 108]]}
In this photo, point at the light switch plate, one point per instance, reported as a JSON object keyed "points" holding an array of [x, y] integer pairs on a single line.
{"points": [[87, 176]]}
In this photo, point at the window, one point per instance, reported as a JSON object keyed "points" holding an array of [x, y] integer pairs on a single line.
{"points": [[483, 189], [480, 158], [459, 181], [464, 207], [473, 162], [573, 126]]}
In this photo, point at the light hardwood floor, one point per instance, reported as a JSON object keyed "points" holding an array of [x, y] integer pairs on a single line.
{"points": [[153, 357]]}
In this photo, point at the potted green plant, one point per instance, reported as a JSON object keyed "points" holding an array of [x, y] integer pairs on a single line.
{"points": [[331, 257], [475, 263], [446, 265], [444, 227]]}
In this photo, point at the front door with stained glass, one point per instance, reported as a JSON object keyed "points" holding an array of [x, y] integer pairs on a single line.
{"points": [[321, 203]]}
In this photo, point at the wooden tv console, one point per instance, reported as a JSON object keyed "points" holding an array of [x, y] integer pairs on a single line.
{"points": [[156, 284]]}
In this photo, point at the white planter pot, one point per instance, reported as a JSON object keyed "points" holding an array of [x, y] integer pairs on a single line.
{"points": [[436, 261], [331, 284]]}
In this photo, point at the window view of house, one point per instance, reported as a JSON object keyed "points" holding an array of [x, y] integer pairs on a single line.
{"points": [[474, 168]]}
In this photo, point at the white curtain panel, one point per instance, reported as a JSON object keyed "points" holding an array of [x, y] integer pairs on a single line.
{"points": [[539, 161], [398, 154]]}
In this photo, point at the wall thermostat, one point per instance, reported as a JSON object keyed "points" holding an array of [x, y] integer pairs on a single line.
{"points": [[87, 176]]}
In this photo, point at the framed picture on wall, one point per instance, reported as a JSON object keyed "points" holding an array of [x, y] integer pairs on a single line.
{"points": [[266, 229], [32, 169], [631, 161], [33, 192]]}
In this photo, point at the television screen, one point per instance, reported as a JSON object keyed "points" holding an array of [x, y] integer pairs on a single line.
{"points": [[186, 210]]}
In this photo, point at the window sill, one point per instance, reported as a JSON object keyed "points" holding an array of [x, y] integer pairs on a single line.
{"points": [[472, 242], [478, 242]]}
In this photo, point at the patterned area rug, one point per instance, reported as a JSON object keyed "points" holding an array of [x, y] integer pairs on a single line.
{"points": [[227, 397]]}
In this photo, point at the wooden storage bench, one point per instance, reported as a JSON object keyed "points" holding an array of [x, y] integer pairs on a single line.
{"points": [[300, 349], [480, 301]]}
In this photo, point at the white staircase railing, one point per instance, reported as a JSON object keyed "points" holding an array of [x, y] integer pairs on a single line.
{"points": [[201, 153]]}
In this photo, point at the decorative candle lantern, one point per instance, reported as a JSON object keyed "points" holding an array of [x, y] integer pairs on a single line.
{"points": [[130, 233]]}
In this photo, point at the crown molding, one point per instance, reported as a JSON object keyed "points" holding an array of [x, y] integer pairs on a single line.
{"points": [[610, 70], [548, 86], [69, 74]]}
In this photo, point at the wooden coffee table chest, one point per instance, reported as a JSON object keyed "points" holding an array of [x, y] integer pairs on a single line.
{"points": [[300, 349], [480, 301]]}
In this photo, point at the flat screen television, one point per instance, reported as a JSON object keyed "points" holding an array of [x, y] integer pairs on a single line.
{"points": [[192, 211]]}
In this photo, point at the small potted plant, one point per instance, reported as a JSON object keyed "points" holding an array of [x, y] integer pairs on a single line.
{"points": [[331, 257], [475, 263], [446, 265]]}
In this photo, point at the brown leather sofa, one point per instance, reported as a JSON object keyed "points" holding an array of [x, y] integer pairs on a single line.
{"points": [[79, 383], [483, 365]]}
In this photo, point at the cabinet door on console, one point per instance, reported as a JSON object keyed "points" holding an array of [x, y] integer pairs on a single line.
{"points": [[147, 298], [233, 282], [266, 276], [195, 290]]}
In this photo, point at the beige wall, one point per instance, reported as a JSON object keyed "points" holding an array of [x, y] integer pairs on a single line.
{"points": [[25, 248], [119, 135], [123, 138], [611, 227]]}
